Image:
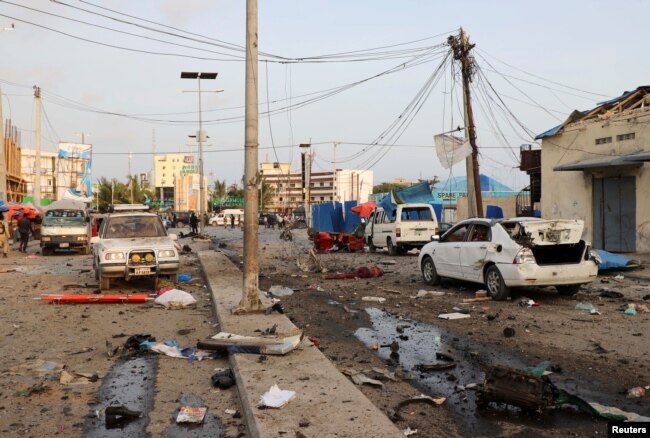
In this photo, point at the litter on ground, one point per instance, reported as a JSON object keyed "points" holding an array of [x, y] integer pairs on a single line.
{"points": [[276, 397]]}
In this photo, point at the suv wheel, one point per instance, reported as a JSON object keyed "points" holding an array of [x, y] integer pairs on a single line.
{"points": [[104, 283], [392, 249]]}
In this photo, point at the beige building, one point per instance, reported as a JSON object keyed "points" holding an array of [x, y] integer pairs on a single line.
{"points": [[49, 165], [594, 168], [342, 185], [176, 179]]}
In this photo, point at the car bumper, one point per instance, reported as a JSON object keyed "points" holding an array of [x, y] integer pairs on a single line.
{"points": [[120, 270], [63, 242], [530, 274]]}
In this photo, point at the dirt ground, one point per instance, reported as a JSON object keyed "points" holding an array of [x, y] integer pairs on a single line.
{"points": [[78, 337], [597, 357]]}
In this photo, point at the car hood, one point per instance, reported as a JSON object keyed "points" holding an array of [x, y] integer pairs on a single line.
{"points": [[553, 232], [137, 243]]}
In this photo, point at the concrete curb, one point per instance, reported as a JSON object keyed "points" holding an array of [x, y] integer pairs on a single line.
{"points": [[331, 404]]}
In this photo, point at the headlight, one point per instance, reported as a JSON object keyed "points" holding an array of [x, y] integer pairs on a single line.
{"points": [[525, 255], [167, 253], [82, 237], [135, 258], [45, 238], [114, 256]]}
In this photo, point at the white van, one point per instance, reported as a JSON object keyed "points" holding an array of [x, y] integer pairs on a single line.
{"points": [[223, 217], [413, 226], [66, 225]]}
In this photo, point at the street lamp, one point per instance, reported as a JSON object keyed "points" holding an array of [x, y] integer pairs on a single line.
{"points": [[200, 137]]}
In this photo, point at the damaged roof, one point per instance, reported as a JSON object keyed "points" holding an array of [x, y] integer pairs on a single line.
{"points": [[628, 100]]}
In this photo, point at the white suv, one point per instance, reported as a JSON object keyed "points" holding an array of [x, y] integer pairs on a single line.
{"points": [[132, 243]]}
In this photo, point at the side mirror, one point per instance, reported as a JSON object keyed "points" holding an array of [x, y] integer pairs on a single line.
{"points": [[94, 239], [173, 236]]}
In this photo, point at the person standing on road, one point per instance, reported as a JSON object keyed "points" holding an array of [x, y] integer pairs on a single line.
{"points": [[232, 221], [24, 227], [4, 235], [194, 223]]}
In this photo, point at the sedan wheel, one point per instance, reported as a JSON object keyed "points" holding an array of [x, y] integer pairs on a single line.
{"points": [[495, 285], [568, 289], [429, 273]]}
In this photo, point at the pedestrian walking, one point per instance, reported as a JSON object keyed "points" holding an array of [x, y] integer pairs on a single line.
{"points": [[25, 228], [232, 221], [4, 235], [174, 220]]}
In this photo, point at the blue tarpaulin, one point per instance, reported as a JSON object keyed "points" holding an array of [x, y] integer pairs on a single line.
{"points": [[334, 217], [416, 194], [351, 219], [493, 212], [611, 261], [438, 209]]}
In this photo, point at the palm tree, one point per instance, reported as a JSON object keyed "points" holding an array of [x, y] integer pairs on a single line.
{"points": [[113, 191]]}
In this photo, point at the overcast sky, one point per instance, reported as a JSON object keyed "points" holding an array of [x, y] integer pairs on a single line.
{"points": [[537, 60]]}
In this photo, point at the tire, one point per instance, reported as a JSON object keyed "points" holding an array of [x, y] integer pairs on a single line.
{"points": [[392, 249], [568, 289], [429, 273], [495, 285], [371, 247], [46, 251], [104, 283]]}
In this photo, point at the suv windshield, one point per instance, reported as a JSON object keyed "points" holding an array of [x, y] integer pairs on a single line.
{"points": [[64, 218], [134, 226]]}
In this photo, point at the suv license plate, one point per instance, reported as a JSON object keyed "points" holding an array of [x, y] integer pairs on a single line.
{"points": [[142, 271], [64, 245]]}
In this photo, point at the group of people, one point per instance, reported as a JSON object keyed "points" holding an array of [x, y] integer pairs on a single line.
{"points": [[270, 220], [24, 228]]}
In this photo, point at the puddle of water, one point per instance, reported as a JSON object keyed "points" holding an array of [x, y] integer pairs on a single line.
{"points": [[419, 343], [210, 428], [130, 383]]}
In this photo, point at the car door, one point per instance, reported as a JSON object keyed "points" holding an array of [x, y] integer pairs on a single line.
{"points": [[447, 252], [474, 250]]}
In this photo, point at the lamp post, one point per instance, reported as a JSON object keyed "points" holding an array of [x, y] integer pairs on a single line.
{"points": [[200, 136]]}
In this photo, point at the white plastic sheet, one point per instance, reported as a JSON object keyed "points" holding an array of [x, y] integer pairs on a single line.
{"points": [[175, 299], [276, 397]]}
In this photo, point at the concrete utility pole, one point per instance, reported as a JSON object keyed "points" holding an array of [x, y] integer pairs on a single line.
{"points": [[130, 176], [306, 182], [250, 301], [37, 161], [461, 48], [334, 172], [4, 196]]}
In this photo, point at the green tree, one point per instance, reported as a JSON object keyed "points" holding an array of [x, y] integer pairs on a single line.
{"points": [[220, 189], [120, 193], [235, 191], [387, 187], [265, 193]]}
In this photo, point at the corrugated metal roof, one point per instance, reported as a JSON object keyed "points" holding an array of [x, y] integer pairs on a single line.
{"points": [[632, 160]]}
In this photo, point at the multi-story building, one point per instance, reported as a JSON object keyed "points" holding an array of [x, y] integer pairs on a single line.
{"points": [[176, 180], [595, 168], [49, 166], [287, 186]]}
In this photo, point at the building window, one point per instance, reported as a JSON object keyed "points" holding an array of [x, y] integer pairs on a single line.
{"points": [[322, 198], [280, 198], [293, 198], [603, 140], [629, 136], [322, 184], [292, 185]]}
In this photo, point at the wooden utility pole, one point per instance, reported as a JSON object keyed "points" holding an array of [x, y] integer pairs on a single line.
{"points": [[37, 161], [250, 302], [4, 196], [461, 48]]}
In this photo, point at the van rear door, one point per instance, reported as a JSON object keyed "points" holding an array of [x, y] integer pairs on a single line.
{"points": [[417, 224]]}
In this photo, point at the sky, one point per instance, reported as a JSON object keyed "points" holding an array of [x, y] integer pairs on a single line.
{"points": [[536, 62]]}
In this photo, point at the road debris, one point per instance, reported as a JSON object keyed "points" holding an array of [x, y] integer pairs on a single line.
{"points": [[36, 388], [280, 291], [454, 315], [508, 332], [424, 293], [394, 414], [175, 299], [118, 416], [98, 299], [428, 367], [275, 397], [279, 344], [223, 379], [374, 299], [408, 431], [637, 392], [75, 378], [362, 272], [191, 414], [184, 278]]}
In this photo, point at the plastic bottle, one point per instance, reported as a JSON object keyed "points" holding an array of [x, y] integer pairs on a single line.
{"points": [[636, 392]]}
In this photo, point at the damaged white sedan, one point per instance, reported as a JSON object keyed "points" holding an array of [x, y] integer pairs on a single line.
{"points": [[503, 254]]}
